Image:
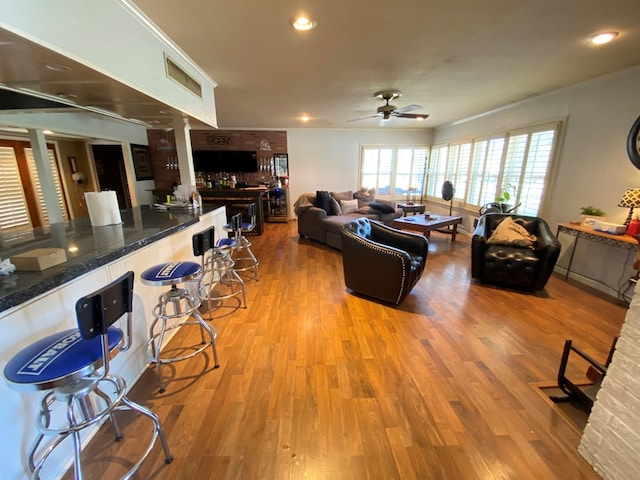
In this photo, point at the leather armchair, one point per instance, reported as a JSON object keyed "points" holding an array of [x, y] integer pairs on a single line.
{"points": [[518, 267], [381, 262]]}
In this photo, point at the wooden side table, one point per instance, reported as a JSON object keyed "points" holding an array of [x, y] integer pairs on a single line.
{"points": [[411, 208]]}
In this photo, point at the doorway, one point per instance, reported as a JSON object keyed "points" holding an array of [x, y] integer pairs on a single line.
{"points": [[111, 173]]}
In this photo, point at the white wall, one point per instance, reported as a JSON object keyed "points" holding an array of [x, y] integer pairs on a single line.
{"points": [[327, 159], [592, 166]]}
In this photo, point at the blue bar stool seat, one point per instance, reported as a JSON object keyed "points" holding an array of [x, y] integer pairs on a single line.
{"points": [[245, 261], [219, 280], [73, 368], [176, 308]]}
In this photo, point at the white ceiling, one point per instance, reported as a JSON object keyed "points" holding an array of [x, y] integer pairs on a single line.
{"points": [[455, 59]]}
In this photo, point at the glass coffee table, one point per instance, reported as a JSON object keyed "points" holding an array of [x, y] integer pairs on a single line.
{"points": [[425, 225]]}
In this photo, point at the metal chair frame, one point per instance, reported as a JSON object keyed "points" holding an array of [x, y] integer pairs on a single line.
{"points": [[81, 391]]}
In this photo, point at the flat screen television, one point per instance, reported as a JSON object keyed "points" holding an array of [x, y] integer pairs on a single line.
{"points": [[225, 161]]}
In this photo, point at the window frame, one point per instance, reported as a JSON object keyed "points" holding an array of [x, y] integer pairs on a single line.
{"points": [[416, 174]]}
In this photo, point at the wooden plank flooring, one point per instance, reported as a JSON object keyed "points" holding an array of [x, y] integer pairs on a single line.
{"points": [[316, 383]]}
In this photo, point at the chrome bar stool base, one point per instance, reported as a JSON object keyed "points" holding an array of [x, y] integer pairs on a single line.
{"points": [[176, 308], [76, 380]]}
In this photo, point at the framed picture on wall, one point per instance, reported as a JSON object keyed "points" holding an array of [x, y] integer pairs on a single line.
{"points": [[142, 162]]}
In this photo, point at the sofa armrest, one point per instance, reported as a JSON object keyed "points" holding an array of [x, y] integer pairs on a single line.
{"points": [[309, 224]]}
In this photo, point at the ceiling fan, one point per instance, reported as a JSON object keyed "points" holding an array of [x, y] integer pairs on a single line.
{"points": [[386, 111]]}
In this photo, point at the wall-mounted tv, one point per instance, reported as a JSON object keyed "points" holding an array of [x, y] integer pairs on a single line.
{"points": [[225, 161]]}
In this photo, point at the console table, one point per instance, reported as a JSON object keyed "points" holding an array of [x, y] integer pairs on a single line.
{"points": [[621, 241]]}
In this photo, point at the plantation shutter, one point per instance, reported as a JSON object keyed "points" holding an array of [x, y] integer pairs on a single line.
{"points": [[13, 205]]}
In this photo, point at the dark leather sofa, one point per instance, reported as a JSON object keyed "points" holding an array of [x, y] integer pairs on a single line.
{"points": [[380, 261], [514, 266]]}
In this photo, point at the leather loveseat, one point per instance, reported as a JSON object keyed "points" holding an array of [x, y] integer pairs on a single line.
{"points": [[382, 262], [322, 223], [511, 264]]}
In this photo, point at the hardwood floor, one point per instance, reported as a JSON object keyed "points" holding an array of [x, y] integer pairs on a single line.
{"points": [[317, 383]]}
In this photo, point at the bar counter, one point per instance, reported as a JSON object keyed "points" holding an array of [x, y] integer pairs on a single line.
{"points": [[86, 247]]}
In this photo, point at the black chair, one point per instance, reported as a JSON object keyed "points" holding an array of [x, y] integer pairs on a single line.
{"points": [[75, 377], [584, 394], [381, 262], [514, 266]]}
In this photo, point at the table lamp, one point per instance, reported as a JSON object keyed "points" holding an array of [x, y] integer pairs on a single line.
{"points": [[631, 200]]}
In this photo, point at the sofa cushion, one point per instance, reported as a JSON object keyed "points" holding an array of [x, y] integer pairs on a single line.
{"points": [[348, 195], [349, 206], [335, 207], [365, 197], [323, 201], [382, 207], [510, 233]]}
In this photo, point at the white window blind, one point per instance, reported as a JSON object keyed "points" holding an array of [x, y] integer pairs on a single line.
{"points": [[13, 205], [517, 162], [31, 162]]}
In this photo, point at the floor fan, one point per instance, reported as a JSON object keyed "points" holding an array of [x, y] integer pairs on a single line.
{"points": [[447, 194]]}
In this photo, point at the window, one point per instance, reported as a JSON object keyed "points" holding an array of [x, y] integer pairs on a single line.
{"points": [[481, 170], [31, 162], [13, 205], [392, 170], [22, 202]]}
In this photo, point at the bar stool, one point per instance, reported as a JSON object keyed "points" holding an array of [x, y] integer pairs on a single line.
{"points": [[180, 308], [219, 281], [243, 257], [72, 366]]}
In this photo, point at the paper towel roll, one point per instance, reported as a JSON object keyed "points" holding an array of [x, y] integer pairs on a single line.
{"points": [[103, 208]]}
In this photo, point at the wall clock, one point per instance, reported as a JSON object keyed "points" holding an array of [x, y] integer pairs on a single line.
{"points": [[633, 144]]}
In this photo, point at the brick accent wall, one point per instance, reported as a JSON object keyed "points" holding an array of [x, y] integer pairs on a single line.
{"points": [[611, 440], [161, 156]]}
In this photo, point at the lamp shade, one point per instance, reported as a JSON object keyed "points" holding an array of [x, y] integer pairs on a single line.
{"points": [[631, 198]]}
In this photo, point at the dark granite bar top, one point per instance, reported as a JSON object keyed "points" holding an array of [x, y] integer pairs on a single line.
{"points": [[86, 247]]}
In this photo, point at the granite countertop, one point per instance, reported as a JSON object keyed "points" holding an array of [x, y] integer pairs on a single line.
{"points": [[86, 247]]}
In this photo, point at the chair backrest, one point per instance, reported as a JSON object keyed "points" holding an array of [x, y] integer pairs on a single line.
{"points": [[98, 311], [360, 227], [236, 222], [203, 242], [251, 213]]}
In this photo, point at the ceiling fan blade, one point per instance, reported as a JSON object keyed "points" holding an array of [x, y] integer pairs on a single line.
{"points": [[408, 108], [363, 118], [421, 116]]}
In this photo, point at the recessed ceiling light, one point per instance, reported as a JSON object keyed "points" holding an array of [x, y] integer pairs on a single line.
{"points": [[57, 67], [602, 38], [47, 132], [305, 118], [303, 23]]}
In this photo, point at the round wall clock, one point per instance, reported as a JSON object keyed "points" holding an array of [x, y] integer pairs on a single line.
{"points": [[633, 144]]}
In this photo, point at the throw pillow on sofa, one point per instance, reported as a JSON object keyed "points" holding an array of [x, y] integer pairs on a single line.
{"points": [[349, 206], [323, 201], [365, 197], [382, 207], [335, 207]]}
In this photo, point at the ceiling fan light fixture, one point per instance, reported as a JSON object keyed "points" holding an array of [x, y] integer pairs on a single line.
{"points": [[303, 23], [603, 38]]}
